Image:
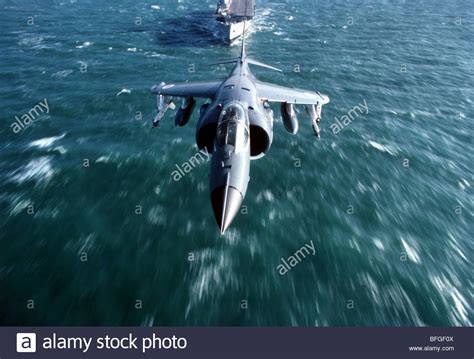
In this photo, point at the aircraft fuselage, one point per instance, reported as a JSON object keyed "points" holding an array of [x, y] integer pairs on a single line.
{"points": [[231, 151]]}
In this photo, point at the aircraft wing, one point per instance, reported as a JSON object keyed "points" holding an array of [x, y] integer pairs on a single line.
{"points": [[276, 93], [204, 89]]}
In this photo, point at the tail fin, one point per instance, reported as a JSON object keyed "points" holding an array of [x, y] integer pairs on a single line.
{"points": [[223, 62], [261, 64], [243, 55], [250, 61]]}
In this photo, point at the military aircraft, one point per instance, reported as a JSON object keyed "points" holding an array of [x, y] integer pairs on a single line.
{"points": [[235, 125]]}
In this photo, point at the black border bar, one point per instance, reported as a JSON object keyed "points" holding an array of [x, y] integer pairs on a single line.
{"points": [[238, 342]]}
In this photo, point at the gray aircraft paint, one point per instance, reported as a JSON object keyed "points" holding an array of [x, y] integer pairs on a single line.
{"points": [[230, 168]]}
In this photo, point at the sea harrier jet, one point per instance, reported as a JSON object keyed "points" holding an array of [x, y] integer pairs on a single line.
{"points": [[235, 125]]}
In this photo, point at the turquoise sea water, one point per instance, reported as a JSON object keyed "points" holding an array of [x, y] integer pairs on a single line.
{"points": [[386, 202]]}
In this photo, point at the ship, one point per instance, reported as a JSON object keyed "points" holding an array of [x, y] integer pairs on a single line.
{"points": [[234, 17]]}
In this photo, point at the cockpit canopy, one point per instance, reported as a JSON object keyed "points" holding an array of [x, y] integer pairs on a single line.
{"points": [[233, 127]]}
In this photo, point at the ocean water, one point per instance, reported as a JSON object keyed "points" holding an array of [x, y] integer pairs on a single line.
{"points": [[95, 231]]}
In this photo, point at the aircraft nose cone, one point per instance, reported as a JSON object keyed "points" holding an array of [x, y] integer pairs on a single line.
{"points": [[226, 202]]}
